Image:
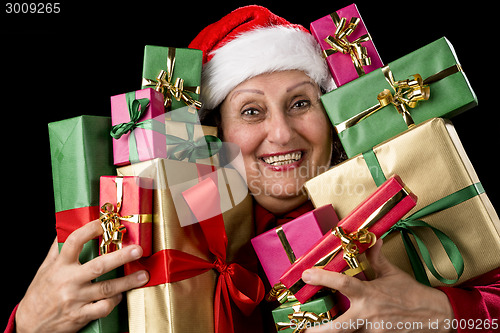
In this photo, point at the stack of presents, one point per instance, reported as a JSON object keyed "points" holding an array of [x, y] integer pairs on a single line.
{"points": [[156, 177]]}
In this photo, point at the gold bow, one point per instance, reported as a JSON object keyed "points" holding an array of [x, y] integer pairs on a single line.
{"points": [[301, 320], [339, 42], [176, 90], [349, 246], [112, 227], [407, 93]]}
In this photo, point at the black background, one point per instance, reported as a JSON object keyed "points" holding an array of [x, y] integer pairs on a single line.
{"points": [[57, 66]]}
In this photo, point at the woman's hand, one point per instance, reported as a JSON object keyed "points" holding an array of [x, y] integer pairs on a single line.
{"points": [[392, 302], [61, 297]]}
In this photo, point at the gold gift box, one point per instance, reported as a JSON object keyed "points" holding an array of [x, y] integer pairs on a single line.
{"points": [[179, 129], [432, 162], [188, 305]]}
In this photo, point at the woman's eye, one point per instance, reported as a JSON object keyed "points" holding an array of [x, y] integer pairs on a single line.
{"points": [[302, 104], [250, 112]]}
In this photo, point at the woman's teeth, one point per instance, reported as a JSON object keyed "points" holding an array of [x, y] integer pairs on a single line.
{"points": [[283, 159]]}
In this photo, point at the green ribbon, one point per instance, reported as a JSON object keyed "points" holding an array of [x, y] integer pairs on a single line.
{"points": [[203, 147], [405, 227], [136, 108]]}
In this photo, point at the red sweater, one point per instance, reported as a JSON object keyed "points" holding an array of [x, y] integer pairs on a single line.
{"points": [[476, 303]]}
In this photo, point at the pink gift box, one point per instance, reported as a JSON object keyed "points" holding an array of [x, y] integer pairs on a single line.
{"points": [[301, 234], [340, 64], [148, 144]]}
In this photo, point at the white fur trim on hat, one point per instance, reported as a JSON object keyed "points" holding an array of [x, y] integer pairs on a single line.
{"points": [[262, 50]]}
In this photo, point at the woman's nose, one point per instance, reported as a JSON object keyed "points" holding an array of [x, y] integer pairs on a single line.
{"points": [[279, 128]]}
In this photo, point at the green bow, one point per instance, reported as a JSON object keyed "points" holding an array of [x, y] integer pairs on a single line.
{"points": [[136, 108], [203, 147]]}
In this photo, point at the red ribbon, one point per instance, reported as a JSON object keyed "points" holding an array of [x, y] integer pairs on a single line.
{"points": [[69, 220], [235, 282]]}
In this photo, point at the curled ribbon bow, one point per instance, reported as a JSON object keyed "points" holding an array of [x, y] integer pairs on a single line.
{"points": [[113, 229], [349, 247], [172, 90], [136, 109], [340, 43], [191, 149], [300, 321]]}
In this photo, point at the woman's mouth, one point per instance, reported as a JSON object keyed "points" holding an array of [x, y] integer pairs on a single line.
{"points": [[288, 158]]}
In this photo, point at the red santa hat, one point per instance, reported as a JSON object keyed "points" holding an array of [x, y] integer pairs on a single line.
{"points": [[250, 41]]}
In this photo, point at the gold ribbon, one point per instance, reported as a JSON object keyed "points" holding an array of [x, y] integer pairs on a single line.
{"points": [[358, 235], [407, 93], [339, 42], [176, 90], [349, 246], [113, 229], [301, 320], [286, 245]]}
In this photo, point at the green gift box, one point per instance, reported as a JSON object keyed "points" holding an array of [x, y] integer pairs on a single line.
{"points": [[293, 316], [81, 152], [176, 72], [426, 83]]}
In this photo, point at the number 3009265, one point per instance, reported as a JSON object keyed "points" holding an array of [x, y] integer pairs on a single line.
{"points": [[32, 8]]}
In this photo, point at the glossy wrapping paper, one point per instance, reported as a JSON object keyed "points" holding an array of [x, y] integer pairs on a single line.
{"points": [[146, 143], [377, 213], [278, 248], [178, 63], [323, 305], [136, 208], [187, 304], [150, 134], [447, 97], [81, 152], [433, 163], [341, 65]]}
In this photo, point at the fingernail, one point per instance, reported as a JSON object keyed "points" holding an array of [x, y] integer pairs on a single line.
{"points": [[136, 252], [307, 276], [142, 277]]}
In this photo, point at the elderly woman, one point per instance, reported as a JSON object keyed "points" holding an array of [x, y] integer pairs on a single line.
{"points": [[262, 80]]}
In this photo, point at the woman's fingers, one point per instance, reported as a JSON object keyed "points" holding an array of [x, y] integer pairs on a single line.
{"points": [[75, 241], [347, 285], [51, 255], [100, 309], [110, 288], [105, 263]]}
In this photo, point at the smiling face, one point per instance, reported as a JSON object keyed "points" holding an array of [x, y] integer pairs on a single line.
{"points": [[285, 138]]}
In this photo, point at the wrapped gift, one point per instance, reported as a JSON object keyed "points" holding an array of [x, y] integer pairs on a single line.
{"points": [[354, 234], [346, 44], [432, 161], [126, 213], [150, 133], [426, 83], [293, 316], [80, 153], [193, 263], [137, 131], [174, 72], [278, 248]]}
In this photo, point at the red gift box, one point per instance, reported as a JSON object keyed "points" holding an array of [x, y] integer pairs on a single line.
{"points": [[358, 231], [130, 200]]}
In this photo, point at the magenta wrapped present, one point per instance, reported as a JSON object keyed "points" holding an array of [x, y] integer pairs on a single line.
{"points": [[278, 248], [346, 44], [134, 116]]}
